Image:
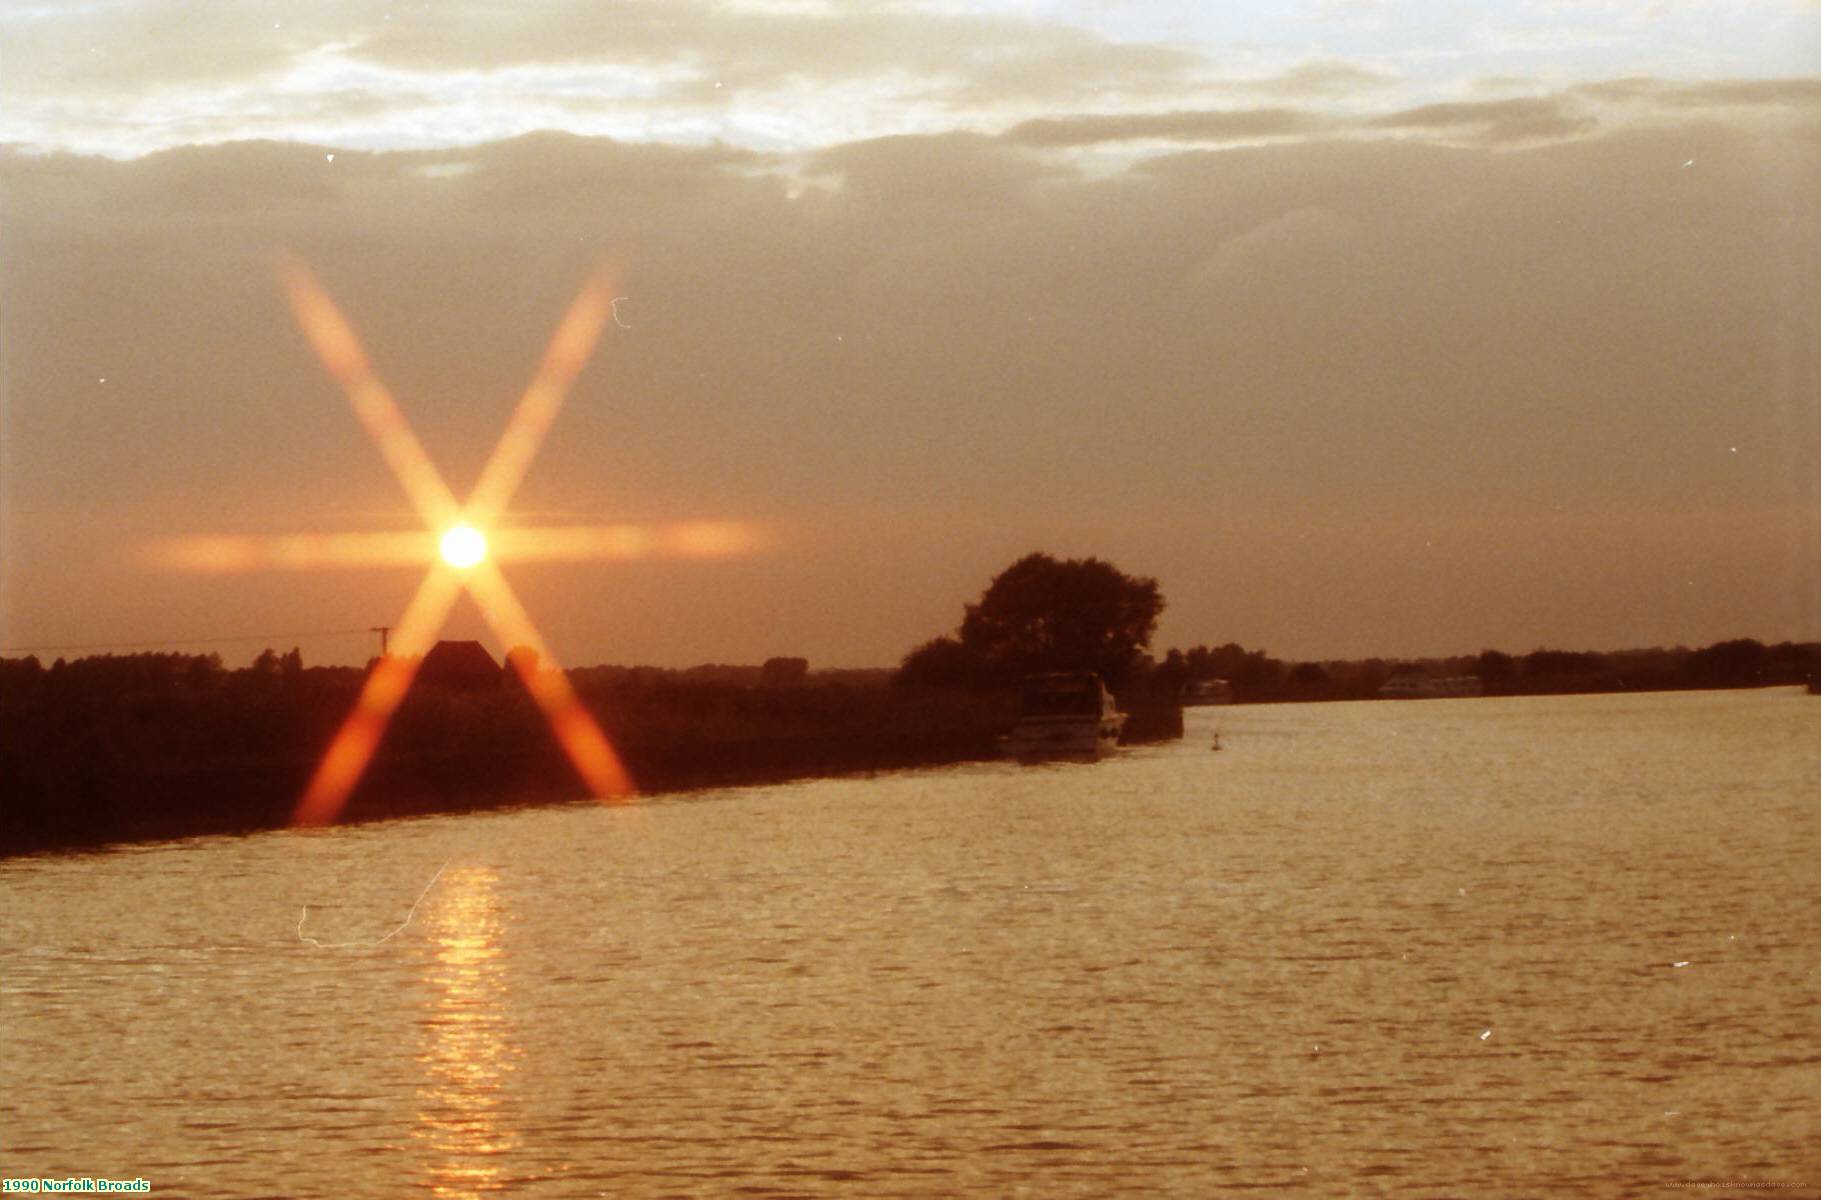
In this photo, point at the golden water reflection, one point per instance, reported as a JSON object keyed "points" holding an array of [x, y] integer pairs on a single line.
{"points": [[467, 1050]]}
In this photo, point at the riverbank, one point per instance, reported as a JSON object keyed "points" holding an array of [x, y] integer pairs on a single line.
{"points": [[127, 752]]}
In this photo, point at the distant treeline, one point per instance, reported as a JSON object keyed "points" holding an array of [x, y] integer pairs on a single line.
{"points": [[132, 747], [1257, 677]]}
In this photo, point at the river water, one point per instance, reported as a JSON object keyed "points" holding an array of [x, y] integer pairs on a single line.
{"points": [[1454, 947]]}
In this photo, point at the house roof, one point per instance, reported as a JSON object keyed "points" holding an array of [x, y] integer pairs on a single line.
{"points": [[459, 664]]}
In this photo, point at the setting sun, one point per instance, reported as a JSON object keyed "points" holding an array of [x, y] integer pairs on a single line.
{"points": [[463, 546]]}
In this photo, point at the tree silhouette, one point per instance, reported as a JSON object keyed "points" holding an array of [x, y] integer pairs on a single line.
{"points": [[1494, 666], [1044, 614], [1308, 674], [784, 672], [1736, 663], [940, 662]]}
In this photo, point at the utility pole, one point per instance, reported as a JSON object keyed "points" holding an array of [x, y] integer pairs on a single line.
{"points": [[382, 631]]}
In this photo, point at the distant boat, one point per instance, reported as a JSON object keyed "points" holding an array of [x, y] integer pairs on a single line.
{"points": [[1207, 691], [1414, 685], [1068, 715]]}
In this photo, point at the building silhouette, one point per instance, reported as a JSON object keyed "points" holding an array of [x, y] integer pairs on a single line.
{"points": [[460, 666]]}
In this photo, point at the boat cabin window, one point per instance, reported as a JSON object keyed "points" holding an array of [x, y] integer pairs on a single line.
{"points": [[1062, 698]]}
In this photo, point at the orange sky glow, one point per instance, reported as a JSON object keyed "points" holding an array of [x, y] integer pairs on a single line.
{"points": [[1366, 329]]}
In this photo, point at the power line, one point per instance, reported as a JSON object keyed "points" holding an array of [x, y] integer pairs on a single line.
{"points": [[211, 641]]}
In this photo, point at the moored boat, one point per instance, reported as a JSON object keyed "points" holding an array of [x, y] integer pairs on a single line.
{"points": [[1207, 691], [1066, 715], [1415, 685]]}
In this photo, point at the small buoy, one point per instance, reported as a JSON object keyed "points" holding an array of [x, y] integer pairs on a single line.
{"points": [[1217, 739]]}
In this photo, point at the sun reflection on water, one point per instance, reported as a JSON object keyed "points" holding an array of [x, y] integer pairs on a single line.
{"points": [[467, 1050]]}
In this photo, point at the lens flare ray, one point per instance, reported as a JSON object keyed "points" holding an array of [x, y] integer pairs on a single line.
{"points": [[340, 351], [582, 740], [568, 351], [625, 542], [355, 742], [226, 554]]}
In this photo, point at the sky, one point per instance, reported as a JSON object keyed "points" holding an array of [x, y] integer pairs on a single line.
{"points": [[1366, 328]]}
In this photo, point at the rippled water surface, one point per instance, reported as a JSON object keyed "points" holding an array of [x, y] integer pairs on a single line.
{"points": [[1481, 947]]}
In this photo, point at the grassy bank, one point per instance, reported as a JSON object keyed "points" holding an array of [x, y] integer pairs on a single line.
{"points": [[115, 750]]}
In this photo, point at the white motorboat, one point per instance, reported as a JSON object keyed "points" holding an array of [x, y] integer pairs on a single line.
{"points": [[1067, 715], [1207, 691], [1415, 685]]}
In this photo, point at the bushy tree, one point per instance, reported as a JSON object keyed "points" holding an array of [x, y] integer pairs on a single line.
{"points": [[1539, 663], [939, 662], [1494, 666], [1308, 674], [1738, 662], [784, 672], [1045, 614]]}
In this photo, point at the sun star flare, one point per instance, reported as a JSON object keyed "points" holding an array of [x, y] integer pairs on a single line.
{"points": [[458, 555], [464, 561], [463, 546]]}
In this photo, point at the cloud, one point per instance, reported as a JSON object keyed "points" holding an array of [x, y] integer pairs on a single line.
{"points": [[1493, 121], [1325, 78], [977, 54], [459, 72], [1229, 126], [110, 50], [1796, 93], [958, 171], [125, 77]]}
